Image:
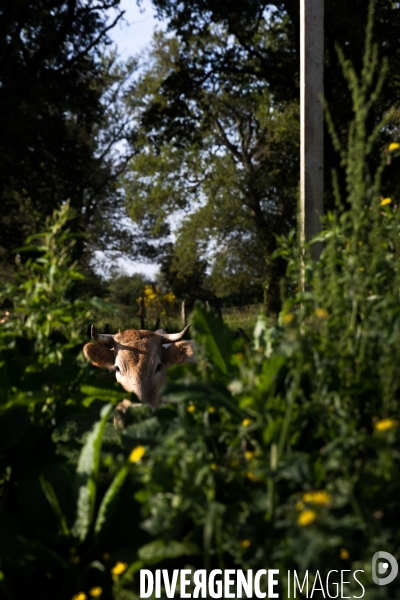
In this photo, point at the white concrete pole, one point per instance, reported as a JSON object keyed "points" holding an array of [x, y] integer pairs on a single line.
{"points": [[311, 119]]}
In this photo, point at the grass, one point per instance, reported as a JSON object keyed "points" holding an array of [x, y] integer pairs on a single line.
{"points": [[244, 317]]}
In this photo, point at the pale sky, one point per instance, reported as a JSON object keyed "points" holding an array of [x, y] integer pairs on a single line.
{"points": [[134, 33]]}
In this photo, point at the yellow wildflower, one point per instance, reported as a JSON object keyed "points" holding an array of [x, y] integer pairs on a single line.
{"points": [[234, 462], [96, 592], [320, 498], [253, 477], [386, 424], [306, 517], [249, 455], [191, 408], [245, 543], [344, 555], [322, 313], [299, 505], [118, 569], [211, 409], [288, 318], [393, 146], [137, 454], [213, 466], [246, 422], [80, 596], [362, 269], [386, 201]]}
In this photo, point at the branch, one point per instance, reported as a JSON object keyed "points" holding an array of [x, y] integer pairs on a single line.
{"points": [[227, 143], [95, 41]]}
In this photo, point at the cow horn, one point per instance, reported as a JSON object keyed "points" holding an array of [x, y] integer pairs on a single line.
{"points": [[101, 338], [172, 337]]}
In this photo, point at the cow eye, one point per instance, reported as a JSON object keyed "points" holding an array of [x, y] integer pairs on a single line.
{"points": [[159, 367], [117, 369]]}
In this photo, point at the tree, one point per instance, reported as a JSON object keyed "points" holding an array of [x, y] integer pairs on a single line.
{"points": [[190, 285], [211, 78], [265, 35], [60, 119], [230, 178]]}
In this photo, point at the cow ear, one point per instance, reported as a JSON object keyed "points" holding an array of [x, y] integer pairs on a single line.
{"points": [[99, 355], [177, 353]]}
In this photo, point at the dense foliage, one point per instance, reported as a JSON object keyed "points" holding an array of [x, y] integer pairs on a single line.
{"points": [[60, 120], [231, 185], [212, 120], [284, 454], [281, 451], [216, 146]]}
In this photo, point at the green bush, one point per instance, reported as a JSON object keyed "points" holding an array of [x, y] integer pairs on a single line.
{"points": [[47, 403]]}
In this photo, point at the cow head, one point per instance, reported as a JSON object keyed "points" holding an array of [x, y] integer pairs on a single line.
{"points": [[140, 358]]}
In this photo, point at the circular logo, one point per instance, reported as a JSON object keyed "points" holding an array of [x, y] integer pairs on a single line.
{"points": [[382, 567]]}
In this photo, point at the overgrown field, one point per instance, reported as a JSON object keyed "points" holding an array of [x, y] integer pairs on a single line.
{"points": [[282, 451]]}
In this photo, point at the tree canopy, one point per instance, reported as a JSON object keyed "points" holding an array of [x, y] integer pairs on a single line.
{"points": [[228, 173], [60, 118], [216, 141], [208, 128]]}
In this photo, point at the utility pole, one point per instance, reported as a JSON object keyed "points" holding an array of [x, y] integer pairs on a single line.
{"points": [[312, 120]]}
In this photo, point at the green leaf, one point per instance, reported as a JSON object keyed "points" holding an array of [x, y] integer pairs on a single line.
{"points": [[28, 398], [52, 499], [270, 371], [214, 512], [159, 550], [214, 336], [143, 431], [107, 395], [86, 474], [108, 503]]}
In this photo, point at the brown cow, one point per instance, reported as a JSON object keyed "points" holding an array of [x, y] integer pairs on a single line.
{"points": [[140, 359]]}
